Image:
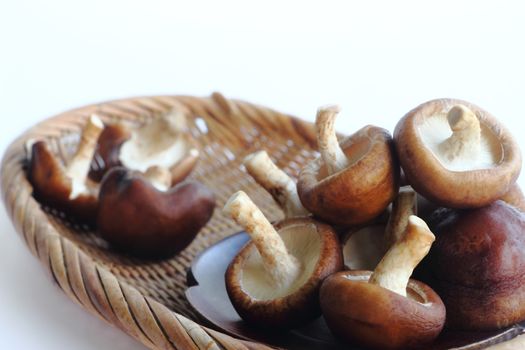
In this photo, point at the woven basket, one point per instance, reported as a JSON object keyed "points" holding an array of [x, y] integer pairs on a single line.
{"points": [[146, 299]]}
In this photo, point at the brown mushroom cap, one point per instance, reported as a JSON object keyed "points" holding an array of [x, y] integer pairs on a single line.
{"points": [[478, 263], [52, 186], [259, 301], [141, 220], [360, 192], [108, 150], [462, 183], [371, 316], [515, 197]]}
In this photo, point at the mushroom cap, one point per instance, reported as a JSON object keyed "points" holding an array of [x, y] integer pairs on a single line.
{"points": [[515, 197], [258, 301], [460, 184], [158, 143], [360, 192], [108, 150], [138, 219], [52, 186], [478, 266], [363, 247], [371, 316]]}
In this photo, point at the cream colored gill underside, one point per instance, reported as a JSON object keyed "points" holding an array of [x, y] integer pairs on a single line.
{"points": [[164, 151], [364, 248], [303, 242], [435, 129], [413, 291], [359, 152]]}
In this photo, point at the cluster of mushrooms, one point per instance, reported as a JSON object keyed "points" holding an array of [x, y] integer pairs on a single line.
{"points": [[129, 182], [368, 210]]}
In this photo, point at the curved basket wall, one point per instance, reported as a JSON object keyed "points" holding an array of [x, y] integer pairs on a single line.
{"points": [[146, 299]]}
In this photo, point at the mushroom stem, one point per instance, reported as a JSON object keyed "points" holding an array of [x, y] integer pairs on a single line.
{"points": [[78, 168], [181, 169], [404, 205], [331, 152], [282, 267], [159, 177], [394, 270], [281, 186], [466, 134]]}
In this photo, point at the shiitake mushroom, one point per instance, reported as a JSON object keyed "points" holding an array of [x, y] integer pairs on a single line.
{"points": [[477, 265], [66, 186], [142, 215], [353, 181]]}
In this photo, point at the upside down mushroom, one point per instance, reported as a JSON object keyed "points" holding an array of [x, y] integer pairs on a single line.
{"points": [[274, 280], [66, 187], [142, 215], [456, 155], [352, 182], [162, 142], [385, 309]]}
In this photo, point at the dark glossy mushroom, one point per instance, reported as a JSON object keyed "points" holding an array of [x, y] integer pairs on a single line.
{"points": [[140, 214], [478, 266], [108, 149], [66, 187]]}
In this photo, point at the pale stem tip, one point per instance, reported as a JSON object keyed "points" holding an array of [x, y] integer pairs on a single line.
{"points": [[394, 270], [333, 156], [281, 267]]}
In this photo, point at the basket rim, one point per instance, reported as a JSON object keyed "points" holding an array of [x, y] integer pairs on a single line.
{"points": [[86, 281]]}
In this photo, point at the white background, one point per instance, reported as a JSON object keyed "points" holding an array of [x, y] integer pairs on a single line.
{"points": [[378, 59]]}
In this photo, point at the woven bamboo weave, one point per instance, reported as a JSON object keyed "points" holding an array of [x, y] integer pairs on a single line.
{"points": [[146, 299]]}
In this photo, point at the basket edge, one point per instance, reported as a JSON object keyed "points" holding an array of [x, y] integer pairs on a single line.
{"points": [[54, 251]]}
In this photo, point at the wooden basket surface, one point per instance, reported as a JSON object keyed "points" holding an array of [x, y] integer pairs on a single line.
{"points": [[146, 299]]}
